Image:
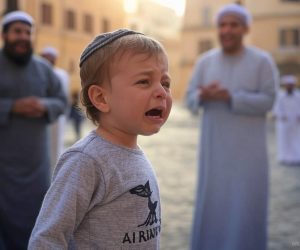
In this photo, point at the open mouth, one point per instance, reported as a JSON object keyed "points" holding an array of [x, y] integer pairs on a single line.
{"points": [[154, 112]]}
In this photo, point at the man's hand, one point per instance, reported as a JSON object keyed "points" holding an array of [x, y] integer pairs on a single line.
{"points": [[222, 95], [214, 92], [29, 107]]}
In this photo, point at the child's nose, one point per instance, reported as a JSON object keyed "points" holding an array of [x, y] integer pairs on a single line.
{"points": [[160, 92]]}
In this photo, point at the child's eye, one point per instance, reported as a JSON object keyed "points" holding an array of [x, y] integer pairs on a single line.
{"points": [[145, 81], [166, 84]]}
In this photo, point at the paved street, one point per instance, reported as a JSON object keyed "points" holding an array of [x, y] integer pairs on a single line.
{"points": [[173, 154]]}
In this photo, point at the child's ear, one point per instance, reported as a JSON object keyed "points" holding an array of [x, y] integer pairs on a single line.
{"points": [[97, 95]]}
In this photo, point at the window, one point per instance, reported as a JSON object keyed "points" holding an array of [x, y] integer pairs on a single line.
{"points": [[204, 46], [88, 23], [11, 5], [46, 10], [289, 37], [70, 20], [105, 25]]}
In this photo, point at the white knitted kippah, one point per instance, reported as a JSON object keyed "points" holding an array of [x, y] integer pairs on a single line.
{"points": [[288, 80], [235, 9], [49, 51], [102, 40], [16, 16]]}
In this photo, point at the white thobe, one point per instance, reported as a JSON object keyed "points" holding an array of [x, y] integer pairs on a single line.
{"points": [[287, 113], [232, 193], [57, 129]]}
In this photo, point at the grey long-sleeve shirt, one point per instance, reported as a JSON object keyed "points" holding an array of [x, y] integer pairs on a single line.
{"points": [[103, 196]]}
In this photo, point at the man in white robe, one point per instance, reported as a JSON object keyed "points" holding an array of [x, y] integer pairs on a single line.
{"points": [[235, 85], [287, 114], [57, 129]]}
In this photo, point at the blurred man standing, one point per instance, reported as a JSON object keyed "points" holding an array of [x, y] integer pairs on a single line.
{"points": [[287, 113], [31, 97], [57, 129], [235, 86]]}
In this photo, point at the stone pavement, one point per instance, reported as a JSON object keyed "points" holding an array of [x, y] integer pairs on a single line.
{"points": [[173, 154]]}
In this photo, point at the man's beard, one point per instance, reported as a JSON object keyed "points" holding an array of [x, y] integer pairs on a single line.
{"points": [[19, 59]]}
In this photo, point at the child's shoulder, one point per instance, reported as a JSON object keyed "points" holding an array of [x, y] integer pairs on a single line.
{"points": [[85, 144], [85, 153], [94, 156], [96, 146], [90, 147], [93, 149]]}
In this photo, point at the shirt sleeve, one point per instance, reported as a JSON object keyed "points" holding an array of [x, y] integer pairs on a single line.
{"points": [[67, 201], [192, 97], [260, 102], [56, 100]]}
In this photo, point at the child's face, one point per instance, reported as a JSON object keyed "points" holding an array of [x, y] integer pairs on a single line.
{"points": [[139, 95]]}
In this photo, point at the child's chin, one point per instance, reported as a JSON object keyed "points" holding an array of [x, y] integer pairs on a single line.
{"points": [[148, 133]]}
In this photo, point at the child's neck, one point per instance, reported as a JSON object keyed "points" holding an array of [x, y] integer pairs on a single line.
{"points": [[117, 137]]}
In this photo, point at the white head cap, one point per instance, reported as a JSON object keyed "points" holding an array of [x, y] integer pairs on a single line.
{"points": [[16, 16], [50, 51], [235, 9], [288, 80]]}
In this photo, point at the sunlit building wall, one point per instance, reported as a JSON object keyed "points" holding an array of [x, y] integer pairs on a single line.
{"points": [[2, 6], [162, 23], [69, 25], [275, 28]]}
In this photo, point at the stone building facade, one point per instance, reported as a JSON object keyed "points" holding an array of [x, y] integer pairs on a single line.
{"points": [[275, 28], [69, 25]]}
